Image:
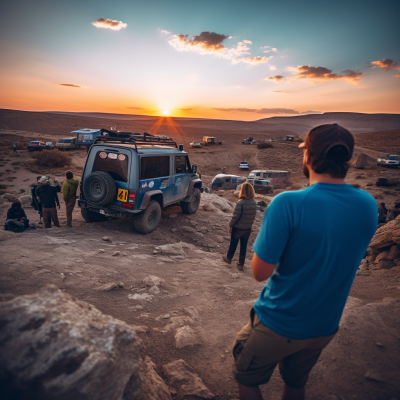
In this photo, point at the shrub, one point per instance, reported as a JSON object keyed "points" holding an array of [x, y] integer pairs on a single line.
{"points": [[52, 159], [360, 177], [265, 145], [378, 195], [3, 186], [356, 185]]}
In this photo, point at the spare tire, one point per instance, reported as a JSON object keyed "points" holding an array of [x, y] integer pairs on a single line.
{"points": [[99, 188]]}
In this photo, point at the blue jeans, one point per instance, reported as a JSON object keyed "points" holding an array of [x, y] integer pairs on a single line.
{"points": [[17, 227], [237, 235]]}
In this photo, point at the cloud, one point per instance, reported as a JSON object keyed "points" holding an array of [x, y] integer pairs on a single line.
{"points": [[212, 43], [272, 67], [322, 73], [281, 91], [261, 110], [276, 78], [109, 24], [69, 85], [187, 109], [251, 60], [267, 49], [387, 64], [164, 32], [311, 112]]}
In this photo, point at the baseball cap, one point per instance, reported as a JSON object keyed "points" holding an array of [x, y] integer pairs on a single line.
{"points": [[43, 179], [323, 137]]}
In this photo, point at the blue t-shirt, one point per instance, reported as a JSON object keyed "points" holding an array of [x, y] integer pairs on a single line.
{"points": [[319, 236]]}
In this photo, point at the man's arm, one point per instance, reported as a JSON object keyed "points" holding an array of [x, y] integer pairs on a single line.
{"points": [[261, 269]]}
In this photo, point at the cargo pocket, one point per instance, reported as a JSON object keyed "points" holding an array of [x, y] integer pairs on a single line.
{"points": [[242, 357]]}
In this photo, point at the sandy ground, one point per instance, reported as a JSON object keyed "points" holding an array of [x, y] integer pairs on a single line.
{"points": [[198, 289]]}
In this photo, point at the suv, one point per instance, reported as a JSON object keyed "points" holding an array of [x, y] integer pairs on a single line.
{"points": [[391, 161], [211, 140], [67, 144], [37, 145], [137, 175]]}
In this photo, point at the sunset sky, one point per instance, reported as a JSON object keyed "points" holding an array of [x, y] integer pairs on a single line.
{"points": [[210, 59]]}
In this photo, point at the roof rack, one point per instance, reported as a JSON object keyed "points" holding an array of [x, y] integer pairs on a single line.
{"points": [[109, 136]]}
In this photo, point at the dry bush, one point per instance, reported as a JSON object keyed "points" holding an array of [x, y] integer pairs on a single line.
{"points": [[388, 191], [378, 195], [265, 145], [360, 177], [52, 159], [3, 186], [3, 191], [356, 185]]}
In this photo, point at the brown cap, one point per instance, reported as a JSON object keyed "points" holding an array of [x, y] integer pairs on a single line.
{"points": [[322, 138]]}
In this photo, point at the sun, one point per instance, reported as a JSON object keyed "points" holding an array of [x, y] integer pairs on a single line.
{"points": [[165, 112]]}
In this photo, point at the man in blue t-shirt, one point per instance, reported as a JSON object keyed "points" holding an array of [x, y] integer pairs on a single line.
{"points": [[310, 246]]}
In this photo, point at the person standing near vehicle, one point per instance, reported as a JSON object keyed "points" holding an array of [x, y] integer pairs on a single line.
{"points": [[309, 249], [47, 194], [70, 187], [241, 223]]}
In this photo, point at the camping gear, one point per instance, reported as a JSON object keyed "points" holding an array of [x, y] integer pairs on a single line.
{"points": [[363, 160]]}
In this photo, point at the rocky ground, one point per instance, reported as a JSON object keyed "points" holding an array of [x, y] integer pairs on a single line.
{"points": [[184, 303]]}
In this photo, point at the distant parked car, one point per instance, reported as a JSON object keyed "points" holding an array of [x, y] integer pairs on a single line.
{"points": [[211, 140], [248, 140], [195, 144], [244, 165], [391, 161], [37, 145], [387, 182], [226, 182], [50, 145], [261, 185], [67, 144]]}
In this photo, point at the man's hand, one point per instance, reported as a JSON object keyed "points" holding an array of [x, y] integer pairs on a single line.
{"points": [[14, 221], [55, 181], [261, 270], [230, 230]]}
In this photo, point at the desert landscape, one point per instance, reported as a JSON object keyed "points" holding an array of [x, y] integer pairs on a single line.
{"points": [[171, 287]]}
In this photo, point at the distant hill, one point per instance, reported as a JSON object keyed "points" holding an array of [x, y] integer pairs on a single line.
{"points": [[355, 122]]}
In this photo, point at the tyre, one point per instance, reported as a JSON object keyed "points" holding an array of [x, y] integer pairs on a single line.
{"points": [[99, 188], [192, 206], [90, 216], [149, 219]]}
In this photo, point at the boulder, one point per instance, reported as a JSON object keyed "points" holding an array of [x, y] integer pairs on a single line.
{"points": [[153, 387], [152, 280], [394, 253], [26, 200], [173, 248], [8, 197], [387, 235], [191, 386], [52, 347], [185, 337]]}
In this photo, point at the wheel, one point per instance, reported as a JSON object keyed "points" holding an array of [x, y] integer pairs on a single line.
{"points": [[99, 188], [149, 219], [192, 206], [90, 216]]}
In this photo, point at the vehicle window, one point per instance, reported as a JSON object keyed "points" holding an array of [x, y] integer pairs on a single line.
{"points": [[154, 167], [115, 164], [227, 180], [180, 164], [258, 182], [67, 141]]}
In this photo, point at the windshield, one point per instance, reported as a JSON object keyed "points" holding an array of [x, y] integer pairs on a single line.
{"points": [[113, 163], [393, 158]]}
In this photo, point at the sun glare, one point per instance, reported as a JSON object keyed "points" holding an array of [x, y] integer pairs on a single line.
{"points": [[165, 112]]}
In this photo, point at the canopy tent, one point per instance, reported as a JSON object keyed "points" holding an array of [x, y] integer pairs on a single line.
{"points": [[363, 160]]}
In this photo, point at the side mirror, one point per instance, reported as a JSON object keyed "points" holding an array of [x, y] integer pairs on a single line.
{"points": [[194, 169]]}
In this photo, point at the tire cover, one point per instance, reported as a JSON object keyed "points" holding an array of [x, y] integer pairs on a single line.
{"points": [[99, 188]]}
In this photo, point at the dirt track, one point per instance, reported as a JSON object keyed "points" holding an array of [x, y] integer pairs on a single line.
{"points": [[195, 276]]}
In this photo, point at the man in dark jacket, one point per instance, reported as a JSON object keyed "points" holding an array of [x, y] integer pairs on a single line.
{"points": [[46, 194], [69, 193], [17, 220]]}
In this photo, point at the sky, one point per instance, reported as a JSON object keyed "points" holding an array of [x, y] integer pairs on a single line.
{"points": [[209, 59]]}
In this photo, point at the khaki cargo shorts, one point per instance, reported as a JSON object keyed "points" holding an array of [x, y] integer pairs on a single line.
{"points": [[257, 351]]}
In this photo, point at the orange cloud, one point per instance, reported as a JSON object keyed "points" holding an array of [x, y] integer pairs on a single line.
{"points": [[208, 41], [322, 73], [69, 85], [276, 78], [109, 24], [387, 64]]}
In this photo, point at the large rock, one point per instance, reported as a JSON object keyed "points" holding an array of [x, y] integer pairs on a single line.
{"points": [[386, 235], [53, 347], [153, 387], [191, 386], [26, 200], [185, 337], [8, 197]]}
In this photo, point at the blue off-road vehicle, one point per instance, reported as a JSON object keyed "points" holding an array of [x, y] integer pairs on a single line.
{"points": [[137, 175]]}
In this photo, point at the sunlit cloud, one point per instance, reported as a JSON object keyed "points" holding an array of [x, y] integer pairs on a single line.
{"points": [[276, 111], [276, 78], [267, 49], [109, 24], [236, 109], [187, 109], [272, 67], [69, 85], [164, 32], [212, 43], [387, 64], [322, 73]]}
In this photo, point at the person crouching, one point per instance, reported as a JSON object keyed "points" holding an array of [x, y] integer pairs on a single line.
{"points": [[17, 220], [241, 223], [69, 193]]}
